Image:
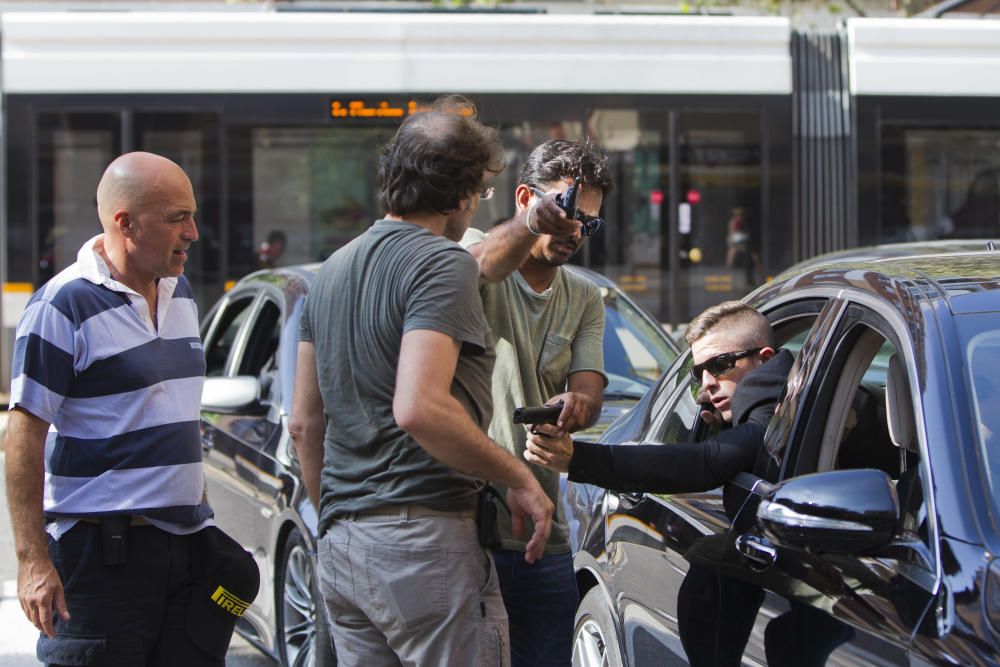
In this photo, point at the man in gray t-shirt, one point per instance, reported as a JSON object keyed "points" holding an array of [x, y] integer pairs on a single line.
{"points": [[548, 325], [392, 393]]}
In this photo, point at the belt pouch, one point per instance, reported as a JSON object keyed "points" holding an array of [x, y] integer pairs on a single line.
{"points": [[114, 539], [486, 519]]}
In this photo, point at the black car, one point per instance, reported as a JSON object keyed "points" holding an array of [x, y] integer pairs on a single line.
{"points": [[254, 485], [875, 541]]}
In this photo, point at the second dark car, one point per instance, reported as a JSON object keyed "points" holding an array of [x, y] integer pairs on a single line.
{"points": [[875, 542]]}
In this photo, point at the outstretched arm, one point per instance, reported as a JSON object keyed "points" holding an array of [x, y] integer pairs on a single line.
{"points": [[668, 468]]}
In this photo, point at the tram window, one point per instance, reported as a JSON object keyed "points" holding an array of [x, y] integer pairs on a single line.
{"points": [[940, 184], [73, 149], [315, 184]]}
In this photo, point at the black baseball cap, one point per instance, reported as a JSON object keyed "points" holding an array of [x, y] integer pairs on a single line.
{"points": [[226, 583]]}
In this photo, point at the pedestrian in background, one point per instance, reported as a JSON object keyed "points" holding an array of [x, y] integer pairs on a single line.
{"points": [[551, 323], [118, 563], [392, 397]]}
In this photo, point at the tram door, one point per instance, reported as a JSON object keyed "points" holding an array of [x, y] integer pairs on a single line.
{"points": [[73, 151], [686, 222]]}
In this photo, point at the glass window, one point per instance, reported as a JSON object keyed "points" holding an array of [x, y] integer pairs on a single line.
{"points": [[636, 350], [218, 349], [983, 363], [718, 216], [74, 150], [262, 343], [940, 184], [677, 421], [311, 190]]}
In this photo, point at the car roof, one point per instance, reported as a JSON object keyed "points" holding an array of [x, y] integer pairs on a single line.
{"points": [[308, 272], [963, 274]]}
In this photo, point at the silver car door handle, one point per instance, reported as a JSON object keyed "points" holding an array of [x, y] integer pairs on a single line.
{"points": [[757, 550]]}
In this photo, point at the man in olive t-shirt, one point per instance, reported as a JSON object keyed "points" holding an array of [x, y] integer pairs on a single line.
{"points": [[548, 328], [391, 397]]}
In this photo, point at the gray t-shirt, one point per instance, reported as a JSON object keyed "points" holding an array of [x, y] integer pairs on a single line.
{"points": [[541, 339], [394, 278]]}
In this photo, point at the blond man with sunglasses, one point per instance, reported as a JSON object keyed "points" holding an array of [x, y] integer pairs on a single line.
{"points": [[740, 378]]}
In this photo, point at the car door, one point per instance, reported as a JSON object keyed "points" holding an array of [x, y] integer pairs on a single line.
{"points": [[223, 335], [836, 609], [659, 544]]}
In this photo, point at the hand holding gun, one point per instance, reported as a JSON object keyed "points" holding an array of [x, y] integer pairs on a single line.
{"points": [[547, 414]]}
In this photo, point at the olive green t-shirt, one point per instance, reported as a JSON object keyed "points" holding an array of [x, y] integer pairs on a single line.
{"points": [[541, 339], [394, 278]]}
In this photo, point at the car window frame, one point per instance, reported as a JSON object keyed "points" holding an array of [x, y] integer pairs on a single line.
{"points": [[218, 321], [862, 308]]}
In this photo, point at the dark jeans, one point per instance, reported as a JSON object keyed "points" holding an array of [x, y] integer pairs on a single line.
{"points": [[126, 615], [715, 615], [541, 601]]}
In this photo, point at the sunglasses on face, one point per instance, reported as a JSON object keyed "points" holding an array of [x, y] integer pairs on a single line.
{"points": [[720, 364], [590, 224]]}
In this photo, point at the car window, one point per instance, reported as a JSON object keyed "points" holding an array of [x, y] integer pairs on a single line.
{"points": [[223, 331], [864, 415], [982, 359], [675, 419], [262, 343], [636, 350]]}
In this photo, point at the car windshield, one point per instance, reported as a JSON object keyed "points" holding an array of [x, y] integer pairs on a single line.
{"points": [[982, 359], [636, 349]]}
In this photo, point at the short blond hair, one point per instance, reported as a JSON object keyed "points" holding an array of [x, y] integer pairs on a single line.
{"points": [[743, 322]]}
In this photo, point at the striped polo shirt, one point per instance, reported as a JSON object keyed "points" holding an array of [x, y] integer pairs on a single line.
{"points": [[123, 398]]}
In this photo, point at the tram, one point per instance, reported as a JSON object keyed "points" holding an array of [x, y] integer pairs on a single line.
{"points": [[739, 145]]}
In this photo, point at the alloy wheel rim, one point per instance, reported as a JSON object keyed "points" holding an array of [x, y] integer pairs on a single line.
{"points": [[589, 647], [299, 609]]}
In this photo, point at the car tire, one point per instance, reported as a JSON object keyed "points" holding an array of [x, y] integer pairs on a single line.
{"points": [[303, 634], [595, 639]]}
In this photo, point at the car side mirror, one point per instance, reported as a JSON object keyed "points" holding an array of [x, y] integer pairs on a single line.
{"points": [[841, 512], [232, 395]]}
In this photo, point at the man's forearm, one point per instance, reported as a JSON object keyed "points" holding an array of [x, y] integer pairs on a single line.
{"points": [[25, 478], [446, 431], [309, 448], [669, 468], [307, 424], [504, 249]]}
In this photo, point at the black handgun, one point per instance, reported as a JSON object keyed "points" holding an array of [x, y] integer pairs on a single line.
{"points": [[547, 414], [567, 200]]}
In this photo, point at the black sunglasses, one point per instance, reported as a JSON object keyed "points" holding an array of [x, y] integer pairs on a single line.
{"points": [[720, 364], [591, 223]]}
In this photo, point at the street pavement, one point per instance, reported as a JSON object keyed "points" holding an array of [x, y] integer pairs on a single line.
{"points": [[18, 636]]}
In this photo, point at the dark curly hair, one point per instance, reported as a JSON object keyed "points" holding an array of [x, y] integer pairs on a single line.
{"points": [[437, 159], [558, 159]]}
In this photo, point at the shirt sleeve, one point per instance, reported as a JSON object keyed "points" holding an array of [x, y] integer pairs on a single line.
{"points": [[44, 356], [472, 237], [588, 344], [445, 298], [688, 467]]}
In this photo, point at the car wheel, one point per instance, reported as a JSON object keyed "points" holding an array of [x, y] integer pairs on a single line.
{"points": [[303, 634], [595, 641]]}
